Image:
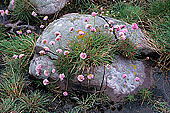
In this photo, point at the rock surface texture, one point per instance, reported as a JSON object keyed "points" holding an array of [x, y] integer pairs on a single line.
{"points": [[115, 85], [46, 7]]}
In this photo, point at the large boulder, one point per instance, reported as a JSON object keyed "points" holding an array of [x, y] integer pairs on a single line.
{"points": [[116, 87], [46, 7]]}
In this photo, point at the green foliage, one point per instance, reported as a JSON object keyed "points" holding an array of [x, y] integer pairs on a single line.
{"points": [[99, 51], [34, 102], [2, 32], [145, 95], [126, 48], [22, 44], [160, 107], [130, 98], [23, 11]]}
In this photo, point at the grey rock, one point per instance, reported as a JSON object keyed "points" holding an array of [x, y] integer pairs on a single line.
{"points": [[46, 7], [113, 82]]}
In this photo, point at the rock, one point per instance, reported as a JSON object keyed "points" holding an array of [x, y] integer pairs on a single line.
{"points": [[113, 82], [137, 36], [46, 7]]}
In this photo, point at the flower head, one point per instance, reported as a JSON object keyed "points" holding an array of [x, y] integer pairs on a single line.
{"points": [[61, 76], [117, 27], [124, 76], [111, 22], [80, 78], [71, 28], [53, 70], [121, 33], [80, 33], [6, 12], [42, 52], [111, 29], [46, 49], [44, 41], [28, 31], [83, 55], [59, 50], [39, 66], [90, 76], [21, 55], [41, 26], [15, 56], [86, 19], [66, 52], [45, 18], [65, 93], [137, 79], [19, 32], [147, 58], [88, 26], [122, 26], [12, 2], [57, 33], [34, 13], [52, 43], [108, 66], [93, 14], [93, 29], [134, 26], [37, 72], [45, 82], [106, 26], [58, 38], [2, 12], [45, 72]]}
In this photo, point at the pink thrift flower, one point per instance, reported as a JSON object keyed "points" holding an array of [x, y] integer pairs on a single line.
{"points": [[52, 43], [57, 33], [111, 29], [58, 38], [66, 52], [122, 26], [59, 50], [53, 70], [65, 93], [45, 82], [106, 26], [124, 84], [86, 19], [108, 66], [147, 58], [46, 49], [45, 72], [80, 78], [83, 55], [6, 12], [94, 14], [21, 55], [61, 76], [19, 32], [124, 76], [90, 76], [42, 52], [88, 26], [44, 41], [71, 28], [12, 2], [134, 26], [125, 30], [37, 72], [80, 33], [39, 66], [28, 31], [45, 18], [15, 56], [2, 12], [41, 26], [116, 27], [93, 29], [123, 37], [121, 33], [101, 8], [137, 79], [34, 13], [111, 22]]}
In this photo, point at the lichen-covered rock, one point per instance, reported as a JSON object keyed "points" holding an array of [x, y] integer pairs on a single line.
{"points": [[46, 7], [116, 87]]}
